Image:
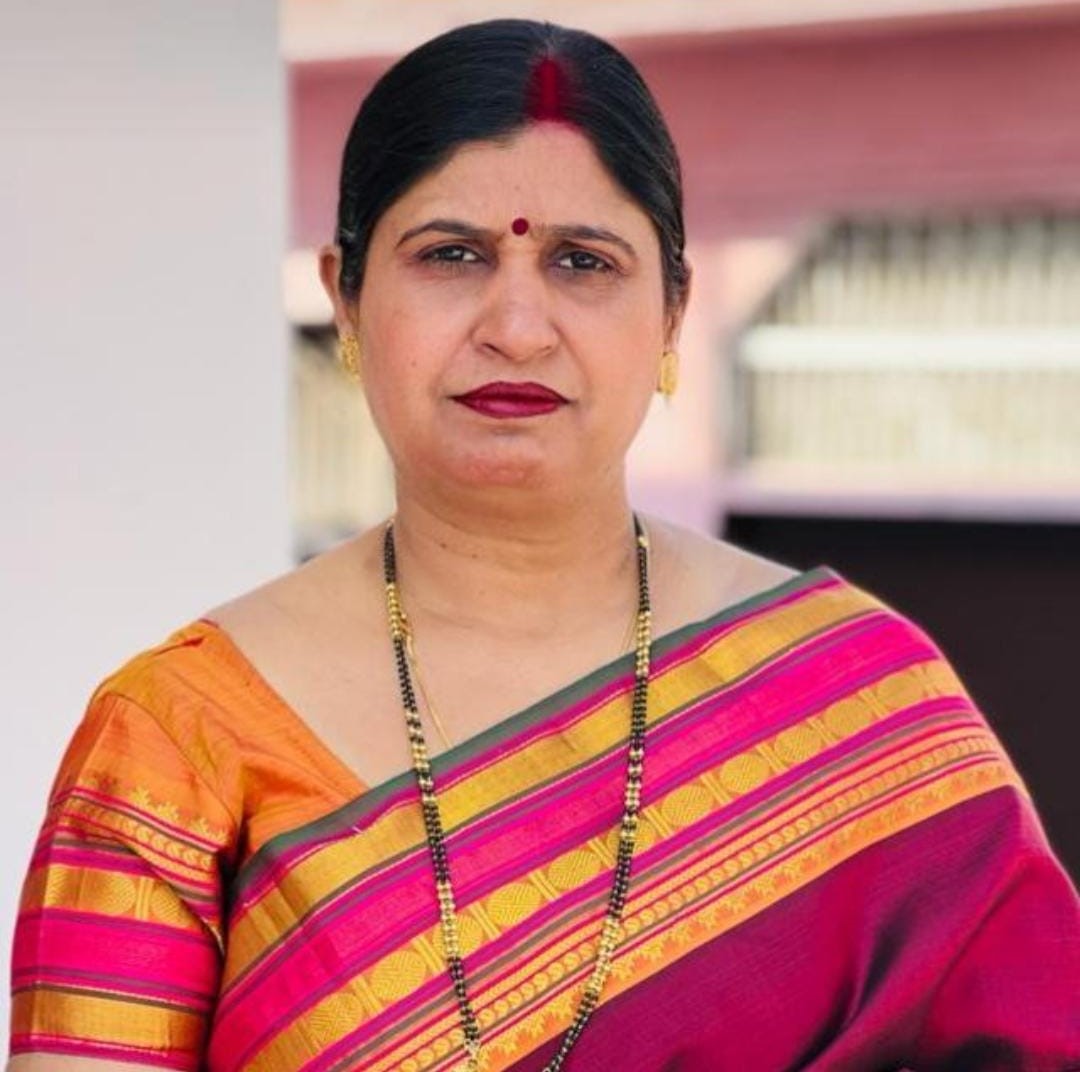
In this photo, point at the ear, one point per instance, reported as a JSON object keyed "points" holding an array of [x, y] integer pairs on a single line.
{"points": [[345, 316]]}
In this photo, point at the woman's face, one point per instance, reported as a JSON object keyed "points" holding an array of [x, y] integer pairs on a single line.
{"points": [[457, 312]]}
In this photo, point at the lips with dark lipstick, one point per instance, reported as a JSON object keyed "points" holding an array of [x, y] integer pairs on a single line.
{"points": [[504, 400]]}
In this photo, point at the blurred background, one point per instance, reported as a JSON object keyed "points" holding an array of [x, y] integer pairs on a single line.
{"points": [[881, 360]]}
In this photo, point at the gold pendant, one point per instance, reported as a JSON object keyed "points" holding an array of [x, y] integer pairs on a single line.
{"points": [[669, 373]]}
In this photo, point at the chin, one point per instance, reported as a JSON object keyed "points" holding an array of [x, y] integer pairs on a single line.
{"points": [[503, 475], [513, 468]]}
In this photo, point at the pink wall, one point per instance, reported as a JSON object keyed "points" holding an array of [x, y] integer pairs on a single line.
{"points": [[323, 99], [775, 129]]}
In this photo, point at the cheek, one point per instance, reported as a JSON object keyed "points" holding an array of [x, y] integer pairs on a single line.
{"points": [[631, 361], [410, 340], [401, 346]]}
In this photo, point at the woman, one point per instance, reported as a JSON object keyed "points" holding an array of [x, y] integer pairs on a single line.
{"points": [[412, 806]]}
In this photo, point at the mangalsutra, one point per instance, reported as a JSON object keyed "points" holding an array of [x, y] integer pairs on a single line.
{"points": [[400, 636]]}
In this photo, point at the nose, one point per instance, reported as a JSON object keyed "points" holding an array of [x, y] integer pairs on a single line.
{"points": [[516, 317]]}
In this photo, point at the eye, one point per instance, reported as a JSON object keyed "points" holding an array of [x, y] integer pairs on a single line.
{"points": [[584, 261], [453, 256]]}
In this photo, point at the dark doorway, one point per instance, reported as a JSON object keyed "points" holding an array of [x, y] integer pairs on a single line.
{"points": [[1002, 600]]}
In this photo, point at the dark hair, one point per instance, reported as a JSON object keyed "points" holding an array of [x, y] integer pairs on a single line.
{"points": [[485, 82]]}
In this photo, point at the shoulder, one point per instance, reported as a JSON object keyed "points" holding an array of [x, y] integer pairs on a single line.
{"points": [[696, 575], [162, 721], [321, 605], [148, 750], [873, 645], [197, 698], [307, 641]]}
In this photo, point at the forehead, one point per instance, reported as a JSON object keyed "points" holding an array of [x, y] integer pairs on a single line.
{"points": [[550, 171]]}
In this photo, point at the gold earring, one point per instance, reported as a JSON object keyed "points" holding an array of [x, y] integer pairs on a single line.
{"points": [[668, 379], [349, 356]]}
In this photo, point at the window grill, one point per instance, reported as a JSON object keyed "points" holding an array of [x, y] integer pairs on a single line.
{"points": [[944, 348]]}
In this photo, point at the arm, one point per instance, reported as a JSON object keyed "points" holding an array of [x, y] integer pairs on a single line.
{"points": [[119, 939], [39, 1062], [1009, 997], [991, 930]]}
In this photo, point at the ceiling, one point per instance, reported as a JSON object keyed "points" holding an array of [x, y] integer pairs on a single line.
{"points": [[320, 30]]}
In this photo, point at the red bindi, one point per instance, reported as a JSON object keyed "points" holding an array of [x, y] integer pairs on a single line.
{"points": [[520, 225]]}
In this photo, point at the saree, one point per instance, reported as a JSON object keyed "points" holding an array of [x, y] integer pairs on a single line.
{"points": [[837, 868]]}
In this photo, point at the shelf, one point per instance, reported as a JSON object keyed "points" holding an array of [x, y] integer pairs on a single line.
{"points": [[894, 495]]}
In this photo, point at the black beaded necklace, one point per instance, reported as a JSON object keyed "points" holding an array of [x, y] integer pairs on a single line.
{"points": [[433, 821]]}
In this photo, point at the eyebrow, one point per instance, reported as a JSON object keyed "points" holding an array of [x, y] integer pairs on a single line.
{"points": [[579, 231]]}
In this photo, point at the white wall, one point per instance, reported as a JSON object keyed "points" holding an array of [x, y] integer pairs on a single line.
{"points": [[142, 351]]}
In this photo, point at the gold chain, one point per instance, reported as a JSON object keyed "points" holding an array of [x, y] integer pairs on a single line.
{"points": [[628, 641], [415, 664]]}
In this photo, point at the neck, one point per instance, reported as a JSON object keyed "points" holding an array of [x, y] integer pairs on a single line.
{"points": [[565, 566]]}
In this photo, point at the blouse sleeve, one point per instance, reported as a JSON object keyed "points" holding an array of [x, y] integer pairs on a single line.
{"points": [[119, 938]]}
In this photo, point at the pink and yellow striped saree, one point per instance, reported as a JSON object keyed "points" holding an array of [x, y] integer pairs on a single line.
{"points": [[838, 869]]}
